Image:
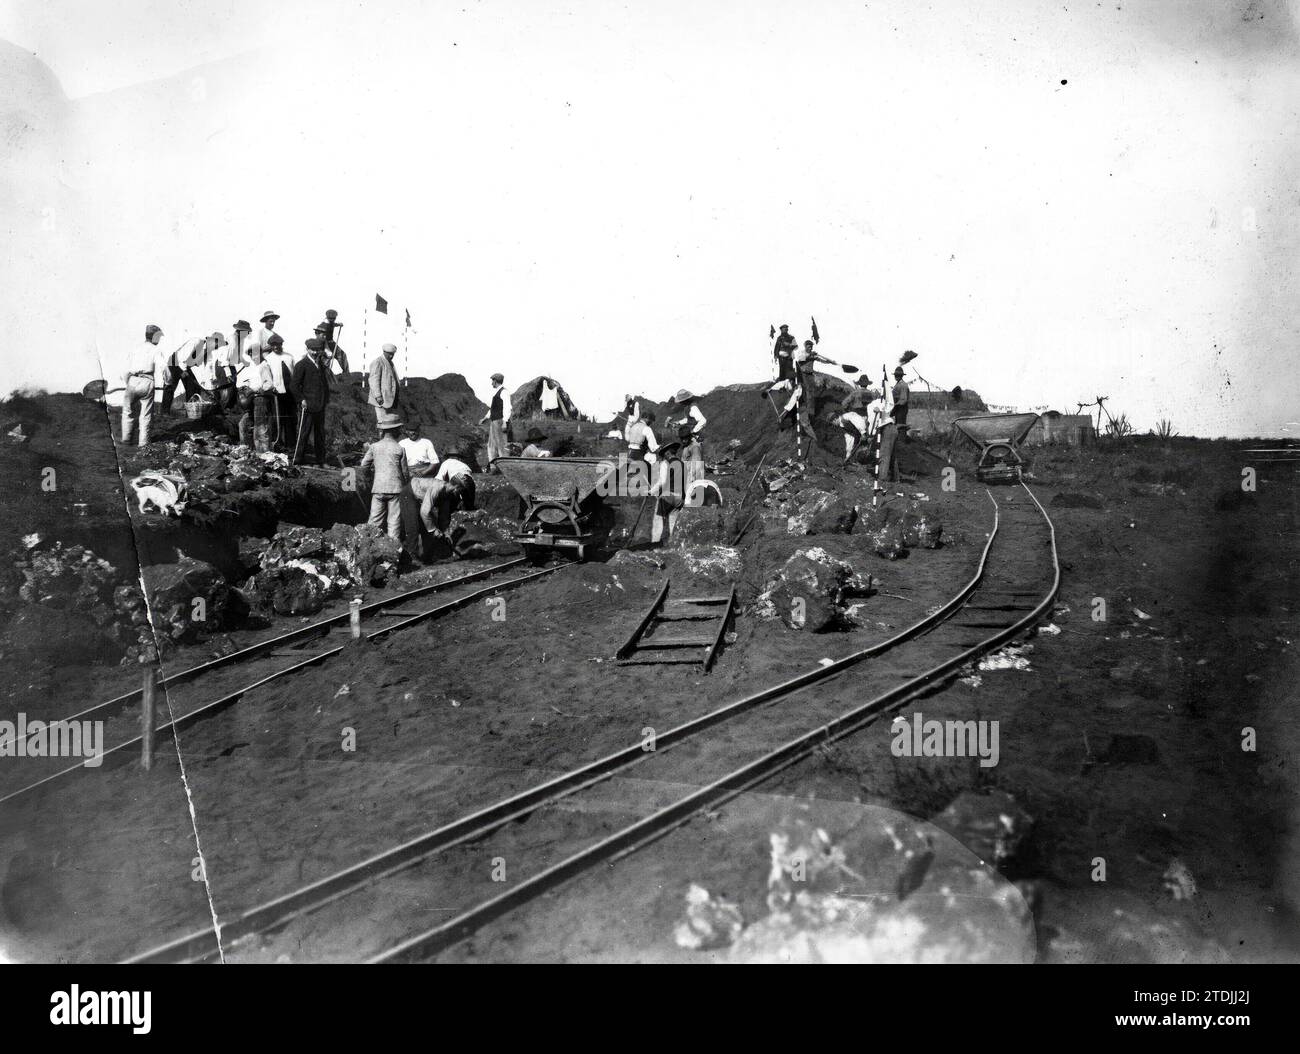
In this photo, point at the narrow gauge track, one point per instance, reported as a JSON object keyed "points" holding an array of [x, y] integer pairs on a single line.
{"points": [[1011, 590], [320, 636]]}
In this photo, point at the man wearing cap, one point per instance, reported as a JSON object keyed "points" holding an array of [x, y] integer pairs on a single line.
{"points": [[391, 475], [143, 367], [310, 385], [281, 365], [533, 449], [496, 419], [783, 351], [691, 416], [900, 395], [383, 382]]}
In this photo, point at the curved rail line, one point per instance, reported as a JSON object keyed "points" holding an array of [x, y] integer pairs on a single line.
{"points": [[207, 944], [318, 629]]}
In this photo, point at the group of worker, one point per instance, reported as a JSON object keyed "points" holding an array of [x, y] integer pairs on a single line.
{"points": [[283, 396], [666, 472], [866, 416]]}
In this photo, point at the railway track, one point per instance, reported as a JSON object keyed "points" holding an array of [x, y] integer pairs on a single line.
{"points": [[1014, 586], [270, 660]]}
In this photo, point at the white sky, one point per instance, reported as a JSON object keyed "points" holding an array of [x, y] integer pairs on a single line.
{"points": [[625, 196]]}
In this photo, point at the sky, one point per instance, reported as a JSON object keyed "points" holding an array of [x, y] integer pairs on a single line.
{"points": [[1047, 202]]}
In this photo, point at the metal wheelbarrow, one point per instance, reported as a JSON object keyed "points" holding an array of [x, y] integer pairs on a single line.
{"points": [[563, 502], [998, 437]]}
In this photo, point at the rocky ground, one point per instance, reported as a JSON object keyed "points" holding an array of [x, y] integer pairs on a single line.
{"points": [[1121, 741]]}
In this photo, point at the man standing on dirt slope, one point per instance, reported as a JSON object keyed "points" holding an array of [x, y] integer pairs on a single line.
{"points": [[391, 475], [783, 352], [497, 417], [901, 395], [310, 384], [144, 367], [383, 383]]}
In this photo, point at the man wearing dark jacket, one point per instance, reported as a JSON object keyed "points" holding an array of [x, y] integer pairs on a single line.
{"points": [[310, 384]]}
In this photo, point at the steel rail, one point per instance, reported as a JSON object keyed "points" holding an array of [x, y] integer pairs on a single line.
{"points": [[209, 709], [206, 944], [650, 828], [317, 628]]}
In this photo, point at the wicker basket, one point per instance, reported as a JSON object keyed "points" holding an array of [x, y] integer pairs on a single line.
{"points": [[196, 406]]}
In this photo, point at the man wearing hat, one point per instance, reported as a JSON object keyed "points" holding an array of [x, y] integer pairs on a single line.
{"points": [[383, 382], [387, 460], [783, 351], [496, 419], [310, 385], [901, 395], [281, 365], [338, 359], [534, 437], [143, 367], [264, 331], [691, 415]]}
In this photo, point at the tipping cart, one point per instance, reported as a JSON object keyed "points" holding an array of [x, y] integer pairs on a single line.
{"points": [[563, 504], [999, 437]]}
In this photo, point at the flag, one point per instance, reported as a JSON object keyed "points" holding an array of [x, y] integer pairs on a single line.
{"points": [[408, 318], [771, 333], [816, 337], [381, 305]]}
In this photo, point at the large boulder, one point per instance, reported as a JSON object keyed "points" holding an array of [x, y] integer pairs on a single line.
{"points": [[921, 527], [889, 889], [811, 590], [479, 534], [821, 512], [701, 525], [291, 589], [367, 554], [185, 597]]}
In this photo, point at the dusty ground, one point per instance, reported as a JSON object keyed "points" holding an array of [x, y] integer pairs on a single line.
{"points": [[469, 709]]}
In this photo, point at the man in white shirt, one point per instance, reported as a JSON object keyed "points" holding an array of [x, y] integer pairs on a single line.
{"points": [[692, 415], [263, 333], [550, 399], [452, 489], [422, 461], [281, 365], [143, 366], [256, 389]]}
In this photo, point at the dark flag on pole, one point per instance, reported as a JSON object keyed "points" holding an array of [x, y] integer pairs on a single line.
{"points": [[815, 335], [408, 318], [771, 333], [381, 305]]}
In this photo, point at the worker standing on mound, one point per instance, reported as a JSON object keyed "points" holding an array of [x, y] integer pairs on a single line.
{"points": [[901, 395], [783, 352], [310, 384], [383, 382], [692, 417], [139, 379], [497, 417]]}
